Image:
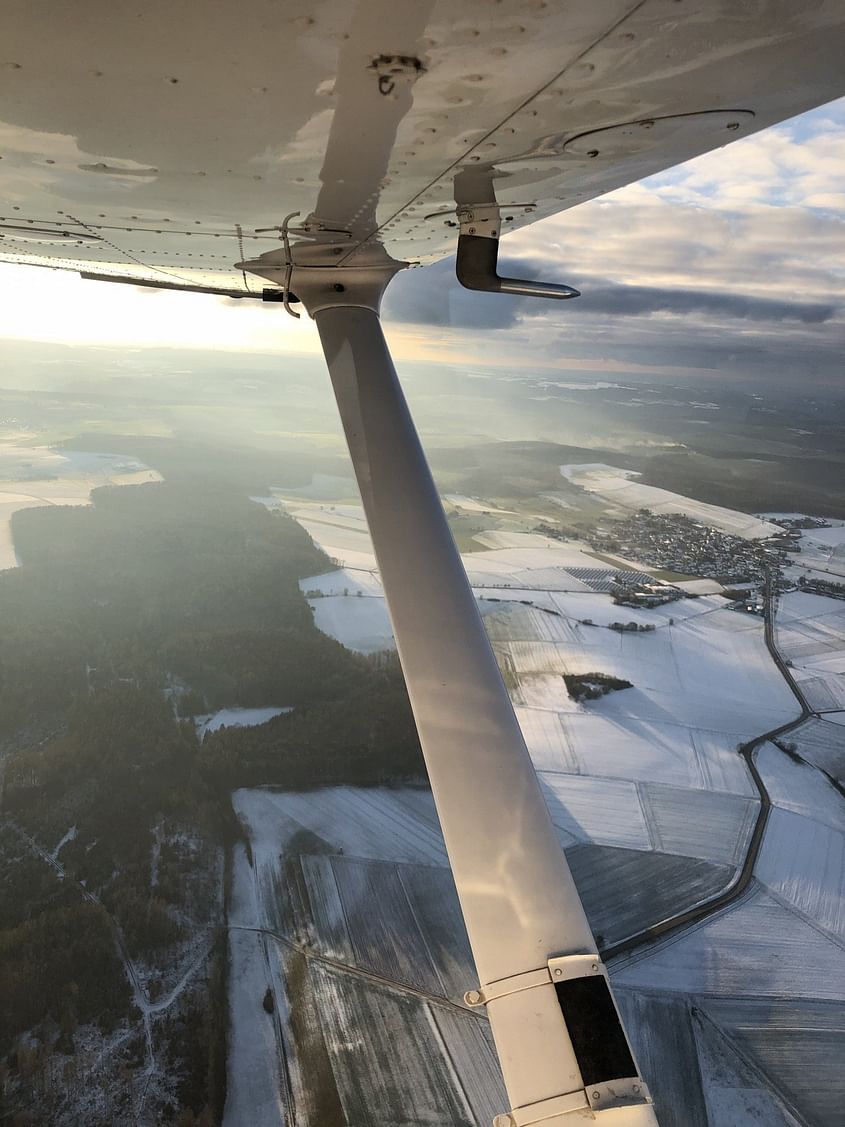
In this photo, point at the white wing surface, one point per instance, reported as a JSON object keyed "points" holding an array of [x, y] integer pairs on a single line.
{"points": [[156, 141]]}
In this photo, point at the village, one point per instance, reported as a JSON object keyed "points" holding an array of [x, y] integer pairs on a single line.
{"points": [[675, 543]]}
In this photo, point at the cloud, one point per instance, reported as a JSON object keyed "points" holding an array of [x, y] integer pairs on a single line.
{"points": [[602, 296], [731, 263], [437, 299], [797, 163], [433, 296]]}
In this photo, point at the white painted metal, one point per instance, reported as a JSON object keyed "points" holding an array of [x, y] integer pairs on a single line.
{"points": [[575, 966], [560, 968], [527, 980], [555, 1111], [518, 898], [144, 135]]}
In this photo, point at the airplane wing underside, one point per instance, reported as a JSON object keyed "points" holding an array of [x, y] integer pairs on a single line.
{"points": [[157, 143]]}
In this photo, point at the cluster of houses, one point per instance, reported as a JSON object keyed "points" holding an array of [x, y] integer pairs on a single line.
{"points": [[673, 542], [647, 593]]}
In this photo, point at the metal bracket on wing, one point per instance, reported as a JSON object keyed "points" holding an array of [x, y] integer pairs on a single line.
{"points": [[478, 252], [609, 1074]]}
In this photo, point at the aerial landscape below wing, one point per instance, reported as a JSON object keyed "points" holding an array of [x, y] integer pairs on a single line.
{"points": [[323, 149]]}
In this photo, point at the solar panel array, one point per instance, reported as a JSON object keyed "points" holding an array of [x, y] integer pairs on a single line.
{"points": [[604, 579]]}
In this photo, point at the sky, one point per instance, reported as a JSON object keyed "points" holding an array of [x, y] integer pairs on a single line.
{"points": [[731, 265]]}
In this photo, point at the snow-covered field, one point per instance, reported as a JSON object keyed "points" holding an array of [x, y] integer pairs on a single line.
{"points": [[811, 636], [474, 505], [31, 477], [382, 825], [236, 718], [781, 943], [649, 795], [343, 581], [360, 942], [342, 536], [833, 537], [360, 623], [517, 565], [822, 554], [803, 856], [621, 489], [758, 948], [345, 1033], [703, 683], [822, 743], [253, 1066]]}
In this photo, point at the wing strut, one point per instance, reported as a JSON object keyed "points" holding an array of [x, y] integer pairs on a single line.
{"points": [[561, 1045]]}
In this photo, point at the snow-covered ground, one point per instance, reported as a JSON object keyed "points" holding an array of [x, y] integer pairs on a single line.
{"points": [[811, 636], [700, 586], [343, 581], [759, 948], [822, 554], [349, 602], [34, 476], [328, 958], [821, 742], [236, 718], [474, 505], [360, 623], [803, 855], [646, 788], [343, 536], [382, 825], [322, 487], [621, 489], [354, 881], [833, 537], [700, 654], [253, 1066]]}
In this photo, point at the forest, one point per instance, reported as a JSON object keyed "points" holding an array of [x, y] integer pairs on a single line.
{"points": [[126, 620], [591, 686]]}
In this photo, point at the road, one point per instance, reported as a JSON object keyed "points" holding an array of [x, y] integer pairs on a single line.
{"points": [[743, 878]]}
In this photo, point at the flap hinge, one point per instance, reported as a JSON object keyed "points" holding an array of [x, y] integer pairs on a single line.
{"points": [[559, 969]]}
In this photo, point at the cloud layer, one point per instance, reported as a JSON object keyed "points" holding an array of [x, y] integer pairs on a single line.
{"points": [[734, 262]]}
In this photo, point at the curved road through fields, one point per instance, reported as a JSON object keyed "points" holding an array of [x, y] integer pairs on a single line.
{"points": [[743, 878]]}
